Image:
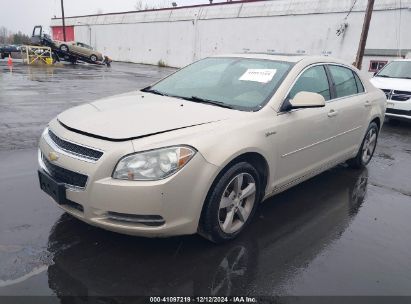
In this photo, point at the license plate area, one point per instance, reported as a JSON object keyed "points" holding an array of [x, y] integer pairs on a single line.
{"points": [[56, 190], [390, 105]]}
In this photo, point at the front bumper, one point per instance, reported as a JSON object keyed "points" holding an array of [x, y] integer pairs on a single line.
{"points": [[398, 109], [171, 206]]}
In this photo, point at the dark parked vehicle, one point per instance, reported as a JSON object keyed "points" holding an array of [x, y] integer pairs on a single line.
{"points": [[6, 50]]}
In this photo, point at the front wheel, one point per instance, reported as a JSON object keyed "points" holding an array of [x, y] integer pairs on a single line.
{"points": [[367, 148], [231, 203], [93, 58]]}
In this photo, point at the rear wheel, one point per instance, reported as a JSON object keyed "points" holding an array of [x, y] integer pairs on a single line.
{"points": [[231, 203], [367, 148], [64, 48]]}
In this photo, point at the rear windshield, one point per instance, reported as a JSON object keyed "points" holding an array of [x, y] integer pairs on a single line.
{"points": [[242, 83]]}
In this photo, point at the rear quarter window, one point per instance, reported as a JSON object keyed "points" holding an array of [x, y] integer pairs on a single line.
{"points": [[360, 86], [344, 81]]}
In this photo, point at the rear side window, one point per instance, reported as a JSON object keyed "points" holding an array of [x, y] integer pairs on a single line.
{"points": [[312, 80], [360, 86], [344, 81]]}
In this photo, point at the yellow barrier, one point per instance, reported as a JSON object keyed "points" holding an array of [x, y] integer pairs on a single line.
{"points": [[36, 54]]}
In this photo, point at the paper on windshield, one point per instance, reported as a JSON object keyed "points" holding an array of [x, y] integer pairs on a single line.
{"points": [[259, 75]]}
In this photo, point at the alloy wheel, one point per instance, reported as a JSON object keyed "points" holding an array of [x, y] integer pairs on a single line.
{"points": [[370, 143], [237, 203]]}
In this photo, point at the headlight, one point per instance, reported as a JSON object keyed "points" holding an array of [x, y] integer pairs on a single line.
{"points": [[153, 165]]}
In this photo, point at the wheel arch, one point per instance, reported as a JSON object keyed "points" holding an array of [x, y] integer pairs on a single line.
{"points": [[377, 120], [257, 160]]}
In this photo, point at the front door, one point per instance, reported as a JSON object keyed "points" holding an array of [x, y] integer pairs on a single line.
{"points": [[306, 136]]}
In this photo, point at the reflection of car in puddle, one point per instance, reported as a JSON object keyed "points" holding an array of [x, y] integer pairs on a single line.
{"points": [[293, 229], [232, 268]]}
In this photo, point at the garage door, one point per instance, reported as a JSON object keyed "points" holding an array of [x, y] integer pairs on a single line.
{"points": [[58, 33]]}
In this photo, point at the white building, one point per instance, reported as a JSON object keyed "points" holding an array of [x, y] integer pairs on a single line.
{"points": [[178, 36]]}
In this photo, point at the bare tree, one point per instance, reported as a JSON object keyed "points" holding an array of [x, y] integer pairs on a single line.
{"points": [[4, 35], [148, 5], [7, 37], [139, 5]]}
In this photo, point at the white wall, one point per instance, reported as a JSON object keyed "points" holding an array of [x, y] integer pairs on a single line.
{"points": [[180, 36]]}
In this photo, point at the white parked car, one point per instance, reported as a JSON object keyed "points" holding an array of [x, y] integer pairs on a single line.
{"points": [[200, 149], [395, 80]]}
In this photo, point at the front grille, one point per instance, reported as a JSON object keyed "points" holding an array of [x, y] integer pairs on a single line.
{"points": [[397, 95], [65, 176], [398, 112], [74, 148], [387, 93], [400, 95]]}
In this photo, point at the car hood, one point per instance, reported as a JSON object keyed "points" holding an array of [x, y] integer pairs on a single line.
{"points": [[134, 115], [391, 83]]}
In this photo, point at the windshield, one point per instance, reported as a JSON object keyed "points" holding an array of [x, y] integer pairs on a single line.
{"points": [[396, 69], [80, 44], [239, 83]]}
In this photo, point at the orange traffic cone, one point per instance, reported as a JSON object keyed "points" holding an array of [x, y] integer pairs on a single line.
{"points": [[10, 61]]}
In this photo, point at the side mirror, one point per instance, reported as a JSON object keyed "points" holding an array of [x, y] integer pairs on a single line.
{"points": [[375, 73], [307, 100]]}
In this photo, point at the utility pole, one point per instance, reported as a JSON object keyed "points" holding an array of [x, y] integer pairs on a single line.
{"points": [[64, 22], [364, 34]]}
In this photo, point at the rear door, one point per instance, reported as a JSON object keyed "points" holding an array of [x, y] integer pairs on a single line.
{"points": [[350, 107]]}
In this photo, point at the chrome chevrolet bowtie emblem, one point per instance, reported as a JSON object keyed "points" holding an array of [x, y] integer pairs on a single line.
{"points": [[53, 156]]}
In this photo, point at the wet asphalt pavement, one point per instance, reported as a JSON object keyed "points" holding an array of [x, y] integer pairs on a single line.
{"points": [[344, 232]]}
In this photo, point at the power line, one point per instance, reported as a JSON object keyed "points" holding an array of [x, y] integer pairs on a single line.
{"points": [[352, 7]]}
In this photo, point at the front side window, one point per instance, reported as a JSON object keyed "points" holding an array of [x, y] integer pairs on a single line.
{"points": [[87, 46], [312, 80], [344, 81], [240, 83]]}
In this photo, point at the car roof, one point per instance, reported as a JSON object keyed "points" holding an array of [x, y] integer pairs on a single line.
{"points": [[408, 59], [293, 58]]}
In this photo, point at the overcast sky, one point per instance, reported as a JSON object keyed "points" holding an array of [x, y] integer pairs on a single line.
{"points": [[22, 15]]}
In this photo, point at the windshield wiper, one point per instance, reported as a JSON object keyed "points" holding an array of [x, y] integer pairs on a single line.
{"points": [[154, 91], [192, 98], [385, 76], [208, 101]]}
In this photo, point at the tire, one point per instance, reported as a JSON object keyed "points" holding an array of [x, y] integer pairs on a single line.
{"points": [[215, 223], [367, 148], [64, 48], [93, 58]]}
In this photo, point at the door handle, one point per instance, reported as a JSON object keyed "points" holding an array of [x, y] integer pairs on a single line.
{"points": [[367, 103], [332, 113]]}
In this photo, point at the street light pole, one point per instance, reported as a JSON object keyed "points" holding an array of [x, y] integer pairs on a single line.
{"points": [[64, 22], [364, 34]]}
